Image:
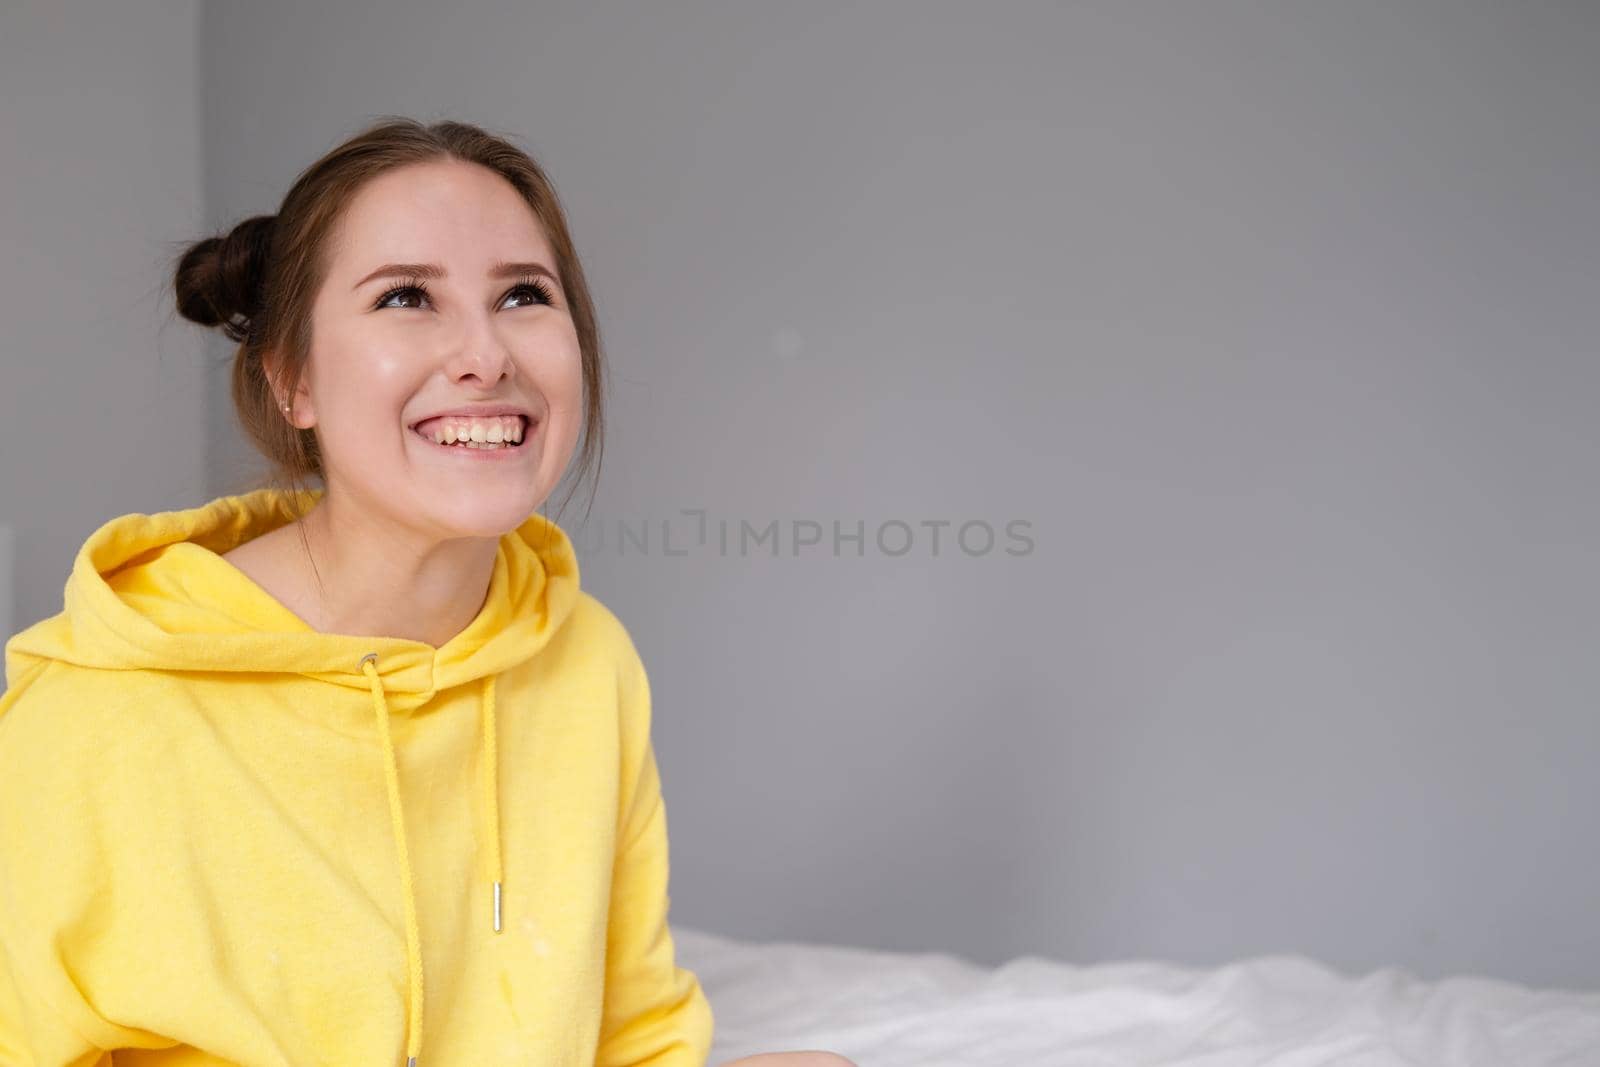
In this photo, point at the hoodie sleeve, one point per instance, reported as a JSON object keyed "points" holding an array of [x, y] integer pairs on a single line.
{"points": [[32, 1034], [655, 1013], [51, 873]]}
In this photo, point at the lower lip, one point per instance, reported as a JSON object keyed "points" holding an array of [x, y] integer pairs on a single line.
{"points": [[485, 455]]}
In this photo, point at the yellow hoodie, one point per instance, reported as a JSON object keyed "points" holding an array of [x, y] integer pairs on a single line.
{"points": [[227, 838]]}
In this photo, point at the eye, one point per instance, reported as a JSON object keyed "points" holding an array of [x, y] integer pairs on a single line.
{"points": [[536, 288], [528, 286], [412, 285]]}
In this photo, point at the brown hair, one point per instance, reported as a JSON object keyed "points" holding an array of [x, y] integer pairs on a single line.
{"points": [[259, 281]]}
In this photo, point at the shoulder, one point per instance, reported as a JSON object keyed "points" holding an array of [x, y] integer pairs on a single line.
{"points": [[595, 619], [611, 651], [74, 735], [598, 630], [75, 754], [590, 661], [61, 713]]}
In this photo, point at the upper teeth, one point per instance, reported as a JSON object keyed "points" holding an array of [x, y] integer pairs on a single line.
{"points": [[453, 428]]}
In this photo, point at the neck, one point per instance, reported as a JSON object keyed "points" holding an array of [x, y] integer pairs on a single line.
{"points": [[381, 580]]}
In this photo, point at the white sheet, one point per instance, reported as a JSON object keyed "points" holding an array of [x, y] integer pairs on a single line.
{"points": [[892, 1009]]}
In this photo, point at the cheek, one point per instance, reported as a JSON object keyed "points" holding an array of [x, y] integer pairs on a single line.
{"points": [[571, 375], [360, 401], [358, 369], [559, 379], [557, 369]]}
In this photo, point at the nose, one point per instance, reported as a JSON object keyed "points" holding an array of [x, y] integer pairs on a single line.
{"points": [[481, 354]]}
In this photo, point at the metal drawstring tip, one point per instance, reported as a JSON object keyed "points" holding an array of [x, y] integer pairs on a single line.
{"points": [[497, 907], [411, 1061]]}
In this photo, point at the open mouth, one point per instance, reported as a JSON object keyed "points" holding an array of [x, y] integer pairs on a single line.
{"points": [[526, 435]]}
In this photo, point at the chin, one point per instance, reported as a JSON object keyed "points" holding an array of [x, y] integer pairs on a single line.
{"points": [[468, 515]]}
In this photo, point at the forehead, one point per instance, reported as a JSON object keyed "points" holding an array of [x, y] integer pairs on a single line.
{"points": [[431, 212]]}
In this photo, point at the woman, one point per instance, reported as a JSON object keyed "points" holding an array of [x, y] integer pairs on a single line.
{"points": [[295, 764]]}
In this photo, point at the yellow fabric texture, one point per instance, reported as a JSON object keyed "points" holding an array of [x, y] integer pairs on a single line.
{"points": [[228, 838]]}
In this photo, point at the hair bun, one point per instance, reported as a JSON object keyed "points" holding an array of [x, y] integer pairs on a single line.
{"points": [[219, 280]]}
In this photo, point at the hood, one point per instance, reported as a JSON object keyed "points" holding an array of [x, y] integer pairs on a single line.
{"points": [[152, 592]]}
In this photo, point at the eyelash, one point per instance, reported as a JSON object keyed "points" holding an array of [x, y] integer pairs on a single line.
{"points": [[419, 285]]}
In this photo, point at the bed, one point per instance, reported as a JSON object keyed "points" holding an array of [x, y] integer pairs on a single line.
{"points": [[898, 1009]]}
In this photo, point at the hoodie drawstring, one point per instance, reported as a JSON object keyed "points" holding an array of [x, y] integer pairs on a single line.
{"points": [[491, 761], [397, 818]]}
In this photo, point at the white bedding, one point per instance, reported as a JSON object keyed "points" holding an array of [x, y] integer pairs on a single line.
{"points": [[895, 1009]]}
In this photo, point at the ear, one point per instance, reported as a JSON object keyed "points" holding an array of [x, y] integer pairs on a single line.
{"points": [[301, 414]]}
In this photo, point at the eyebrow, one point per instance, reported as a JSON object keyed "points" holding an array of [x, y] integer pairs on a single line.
{"points": [[433, 270]]}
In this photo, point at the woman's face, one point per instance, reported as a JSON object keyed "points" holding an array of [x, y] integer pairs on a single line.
{"points": [[388, 351]]}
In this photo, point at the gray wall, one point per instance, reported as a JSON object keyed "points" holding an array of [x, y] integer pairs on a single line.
{"points": [[102, 386], [1275, 321]]}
